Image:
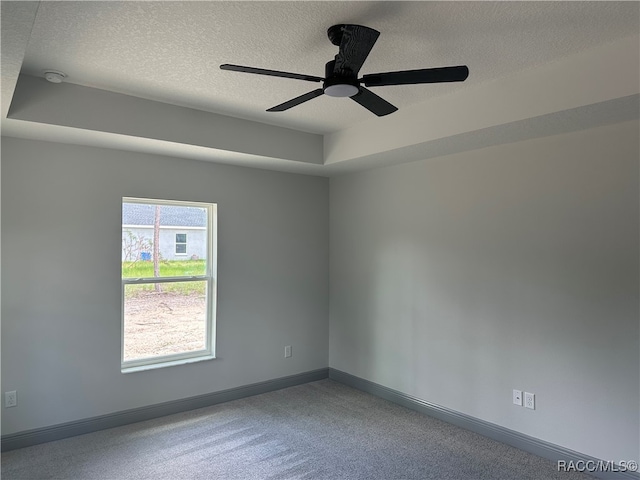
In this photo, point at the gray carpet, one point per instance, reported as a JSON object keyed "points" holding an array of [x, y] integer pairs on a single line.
{"points": [[320, 430]]}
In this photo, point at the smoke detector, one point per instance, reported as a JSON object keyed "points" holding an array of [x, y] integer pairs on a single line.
{"points": [[54, 76]]}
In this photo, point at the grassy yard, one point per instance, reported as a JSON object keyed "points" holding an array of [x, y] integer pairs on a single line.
{"points": [[173, 268], [186, 268]]}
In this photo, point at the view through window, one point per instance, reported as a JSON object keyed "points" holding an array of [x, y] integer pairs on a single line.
{"points": [[168, 284]]}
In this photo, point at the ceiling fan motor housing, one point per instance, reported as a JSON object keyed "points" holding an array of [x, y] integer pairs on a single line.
{"points": [[339, 85]]}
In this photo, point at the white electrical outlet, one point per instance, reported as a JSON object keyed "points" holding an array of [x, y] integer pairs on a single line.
{"points": [[530, 400], [287, 351], [517, 397], [10, 399]]}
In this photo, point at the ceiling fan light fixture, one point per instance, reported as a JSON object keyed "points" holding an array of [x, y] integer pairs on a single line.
{"points": [[341, 90]]}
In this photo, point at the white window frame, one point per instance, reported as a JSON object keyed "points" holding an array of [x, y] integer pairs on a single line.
{"points": [[180, 243], [208, 353]]}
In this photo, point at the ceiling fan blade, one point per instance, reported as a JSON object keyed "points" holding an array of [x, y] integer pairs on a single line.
{"points": [[357, 42], [296, 101], [373, 102], [273, 73], [425, 75]]}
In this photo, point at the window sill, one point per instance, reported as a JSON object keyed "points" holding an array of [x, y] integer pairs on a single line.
{"points": [[171, 363]]}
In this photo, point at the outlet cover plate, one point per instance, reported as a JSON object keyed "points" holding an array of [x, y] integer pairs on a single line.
{"points": [[10, 399], [530, 400]]}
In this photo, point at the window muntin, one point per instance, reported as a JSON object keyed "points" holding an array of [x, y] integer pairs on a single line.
{"points": [[168, 303]]}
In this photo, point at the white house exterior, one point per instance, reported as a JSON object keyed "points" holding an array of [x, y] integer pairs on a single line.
{"points": [[183, 232]]}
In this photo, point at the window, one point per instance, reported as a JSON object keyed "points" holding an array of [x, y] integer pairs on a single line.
{"points": [[181, 243], [168, 298]]}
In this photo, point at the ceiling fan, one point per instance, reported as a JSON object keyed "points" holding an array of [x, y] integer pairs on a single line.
{"points": [[341, 74]]}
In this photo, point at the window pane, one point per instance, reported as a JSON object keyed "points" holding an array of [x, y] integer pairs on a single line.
{"points": [[165, 322], [174, 255]]}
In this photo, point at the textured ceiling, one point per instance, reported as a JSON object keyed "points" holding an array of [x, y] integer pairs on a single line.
{"points": [[171, 51], [145, 77]]}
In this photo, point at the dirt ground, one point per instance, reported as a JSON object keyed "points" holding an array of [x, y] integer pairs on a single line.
{"points": [[163, 323]]}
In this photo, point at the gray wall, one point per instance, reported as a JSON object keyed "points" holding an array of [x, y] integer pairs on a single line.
{"points": [[61, 235], [461, 278], [455, 280]]}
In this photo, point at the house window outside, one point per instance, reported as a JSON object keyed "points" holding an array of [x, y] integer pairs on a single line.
{"points": [[181, 243], [168, 303]]}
